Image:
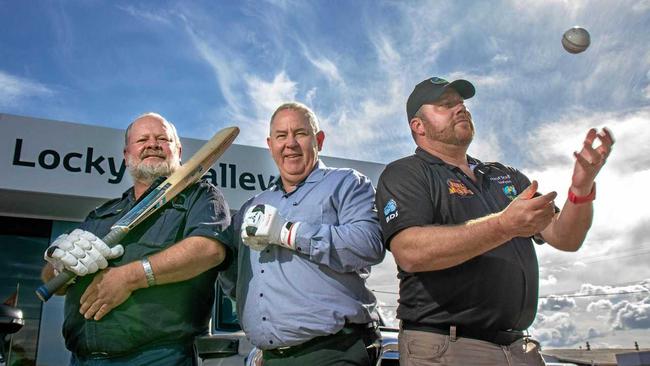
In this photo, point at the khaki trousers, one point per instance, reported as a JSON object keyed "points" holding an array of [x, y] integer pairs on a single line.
{"points": [[417, 348]]}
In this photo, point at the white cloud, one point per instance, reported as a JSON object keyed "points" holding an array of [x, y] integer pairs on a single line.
{"points": [[267, 96], [573, 7], [556, 330], [15, 90], [630, 315], [264, 98], [486, 146], [223, 64], [158, 16], [600, 304], [311, 96], [388, 313], [589, 289], [641, 6], [327, 67], [548, 281], [285, 4], [482, 82], [556, 303], [500, 59], [595, 311]]}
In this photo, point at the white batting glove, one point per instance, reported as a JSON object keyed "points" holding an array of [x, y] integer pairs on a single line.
{"points": [[80, 252], [263, 225]]}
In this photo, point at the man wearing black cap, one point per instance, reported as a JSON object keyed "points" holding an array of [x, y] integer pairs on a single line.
{"points": [[462, 230]]}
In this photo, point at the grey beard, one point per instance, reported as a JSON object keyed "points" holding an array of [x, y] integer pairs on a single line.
{"points": [[147, 174]]}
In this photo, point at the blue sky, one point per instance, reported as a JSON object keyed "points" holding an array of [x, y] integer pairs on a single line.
{"points": [[209, 64]]}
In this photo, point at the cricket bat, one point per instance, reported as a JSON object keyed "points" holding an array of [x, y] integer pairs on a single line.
{"points": [[188, 173]]}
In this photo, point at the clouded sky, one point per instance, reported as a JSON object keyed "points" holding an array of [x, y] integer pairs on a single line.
{"points": [[210, 64]]}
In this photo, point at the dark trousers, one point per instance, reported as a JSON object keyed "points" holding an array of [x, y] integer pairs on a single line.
{"points": [[165, 355], [351, 346]]}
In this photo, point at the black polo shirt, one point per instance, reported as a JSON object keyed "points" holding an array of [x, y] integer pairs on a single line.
{"points": [[161, 314], [496, 290]]}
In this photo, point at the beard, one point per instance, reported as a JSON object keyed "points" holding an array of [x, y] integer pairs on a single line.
{"points": [[449, 135], [144, 172]]}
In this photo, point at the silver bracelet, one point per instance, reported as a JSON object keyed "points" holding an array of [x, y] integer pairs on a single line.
{"points": [[148, 272]]}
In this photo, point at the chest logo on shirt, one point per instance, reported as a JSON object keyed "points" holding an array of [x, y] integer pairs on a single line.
{"points": [[502, 179], [390, 210], [510, 191], [457, 187]]}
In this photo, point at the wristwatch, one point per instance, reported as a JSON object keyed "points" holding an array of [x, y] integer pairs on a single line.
{"points": [[148, 272]]}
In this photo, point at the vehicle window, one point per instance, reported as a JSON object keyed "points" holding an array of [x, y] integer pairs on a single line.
{"points": [[225, 318]]}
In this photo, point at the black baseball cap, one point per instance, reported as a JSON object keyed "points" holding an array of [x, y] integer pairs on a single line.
{"points": [[431, 89]]}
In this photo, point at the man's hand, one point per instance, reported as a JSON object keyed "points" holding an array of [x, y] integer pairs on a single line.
{"points": [[263, 225], [590, 160], [109, 289], [527, 215], [80, 252]]}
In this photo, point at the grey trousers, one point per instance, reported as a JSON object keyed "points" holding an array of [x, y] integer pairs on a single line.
{"points": [[417, 348]]}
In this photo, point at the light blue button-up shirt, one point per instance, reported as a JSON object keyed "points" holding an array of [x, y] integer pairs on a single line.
{"points": [[286, 297]]}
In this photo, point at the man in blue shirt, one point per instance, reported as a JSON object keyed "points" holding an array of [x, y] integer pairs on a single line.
{"points": [[305, 248]]}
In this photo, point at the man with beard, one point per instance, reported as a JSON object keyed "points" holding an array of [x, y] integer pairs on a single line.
{"points": [[462, 230], [142, 302]]}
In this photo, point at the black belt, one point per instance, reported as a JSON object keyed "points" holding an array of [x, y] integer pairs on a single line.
{"points": [[99, 355], [348, 329], [500, 337]]}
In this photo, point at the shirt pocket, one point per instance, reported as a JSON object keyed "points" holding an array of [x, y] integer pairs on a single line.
{"points": [[166, 228]]}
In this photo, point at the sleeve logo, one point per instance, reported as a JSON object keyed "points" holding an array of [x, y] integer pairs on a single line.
{"points": [[390, 210]]}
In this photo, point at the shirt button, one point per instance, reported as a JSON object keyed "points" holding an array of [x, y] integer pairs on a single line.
{"points": [[299, 248], [262, 271], [295, 203], [261, 295], [264, 318], [270, 342], [268, 250]]}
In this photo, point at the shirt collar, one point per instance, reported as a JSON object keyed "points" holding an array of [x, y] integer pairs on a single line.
{"points": [[129, 194], [432, 159]]}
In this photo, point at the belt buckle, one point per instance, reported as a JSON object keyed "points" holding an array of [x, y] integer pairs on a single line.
{"points": [[98, 355], [282, 350]]}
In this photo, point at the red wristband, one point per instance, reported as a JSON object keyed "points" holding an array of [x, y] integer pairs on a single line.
{"points": [[583, 199]]}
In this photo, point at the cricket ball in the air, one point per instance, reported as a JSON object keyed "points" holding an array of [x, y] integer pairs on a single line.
{"points": [[576, 40]]}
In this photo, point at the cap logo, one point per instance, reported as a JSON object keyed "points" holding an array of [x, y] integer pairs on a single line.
{"points": [[438, 81]]}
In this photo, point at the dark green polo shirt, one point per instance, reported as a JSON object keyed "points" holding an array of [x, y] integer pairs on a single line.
{"points": [[497, 290], [171, 313]]}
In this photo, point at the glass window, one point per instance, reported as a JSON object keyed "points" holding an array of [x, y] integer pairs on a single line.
{"points": [[225, 312], [51, 346], [22, 243]]}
